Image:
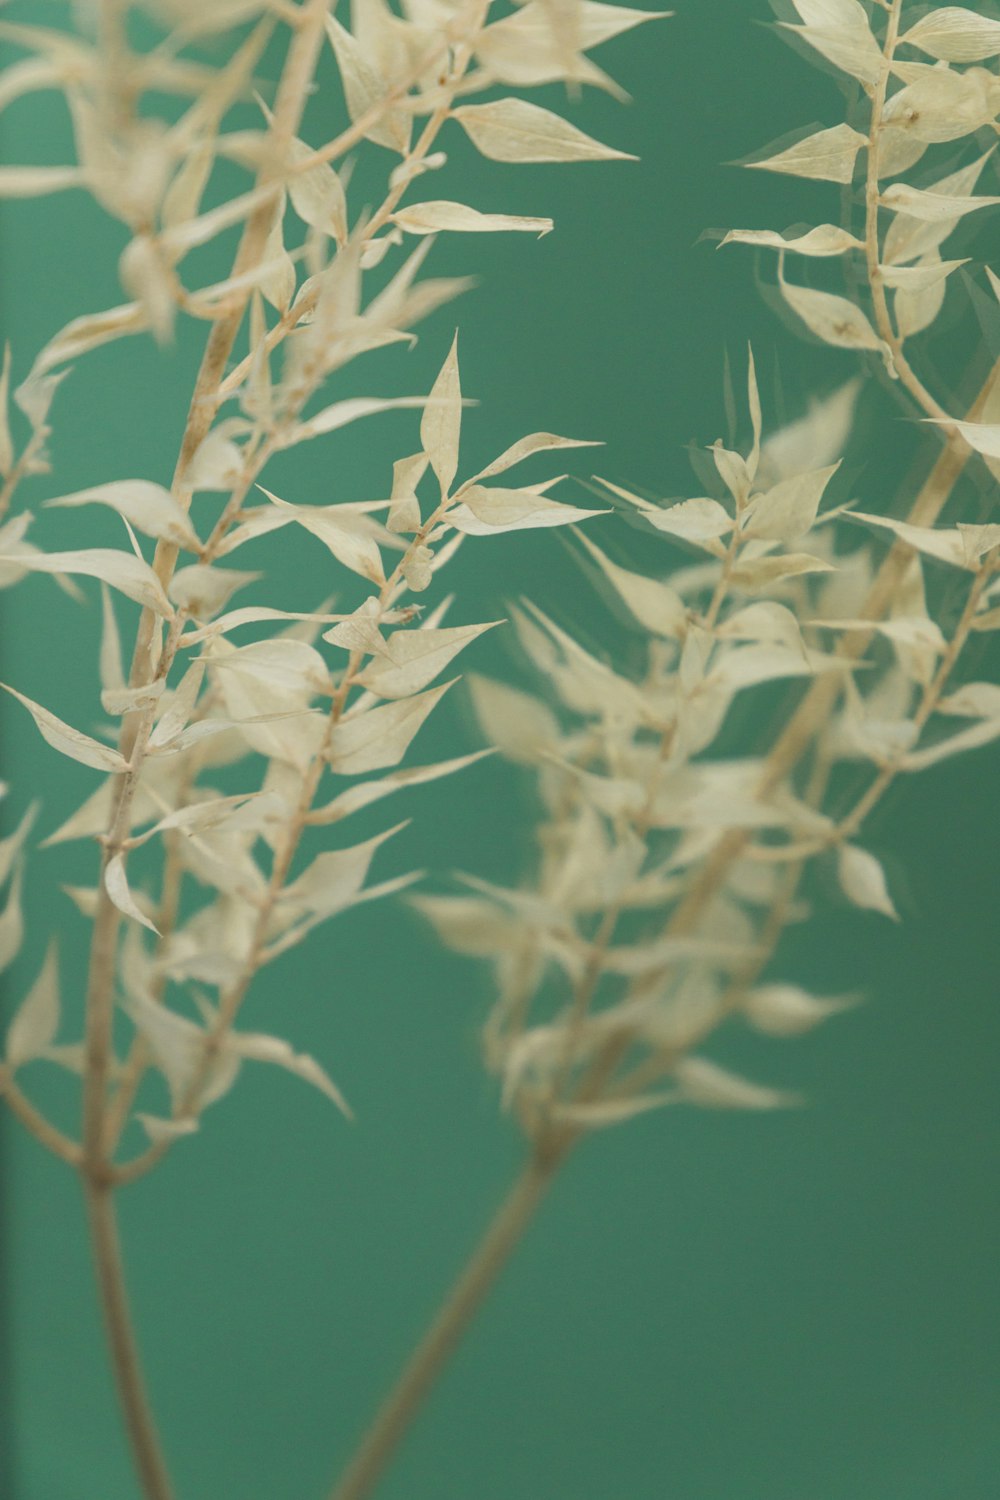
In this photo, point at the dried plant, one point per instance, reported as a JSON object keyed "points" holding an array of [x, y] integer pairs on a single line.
{"points": [[193, 701], [670, 859]]}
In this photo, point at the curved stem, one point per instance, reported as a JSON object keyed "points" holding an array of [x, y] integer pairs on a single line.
{"points": [[876, 283], [34, 1121], [445, 1331], [98, 1184], [132, 1396]]}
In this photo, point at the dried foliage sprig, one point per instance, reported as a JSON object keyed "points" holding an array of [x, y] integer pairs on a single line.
{"points": [[668, 871], [192, 701]]}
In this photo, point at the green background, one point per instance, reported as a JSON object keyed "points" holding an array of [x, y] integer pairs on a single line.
{"points": [[710, 1307]]}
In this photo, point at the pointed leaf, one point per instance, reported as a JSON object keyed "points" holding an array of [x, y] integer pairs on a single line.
{"points": [[69, 741], [34, 1027], [514, 130], [380, 737]]}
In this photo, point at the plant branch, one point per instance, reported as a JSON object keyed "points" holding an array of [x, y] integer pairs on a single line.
{"points": [[873, 258], [136, 1410], [446, 1330], [34, 1121]]}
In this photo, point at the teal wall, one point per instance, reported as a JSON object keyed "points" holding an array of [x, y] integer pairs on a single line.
{"points": [[711, 1307]]}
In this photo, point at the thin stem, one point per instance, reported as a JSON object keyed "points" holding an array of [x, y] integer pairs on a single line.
{"points": [[34, 1121], [296, 77], [132, 1396], [445, 1332], [873, 257], [932, 695]]}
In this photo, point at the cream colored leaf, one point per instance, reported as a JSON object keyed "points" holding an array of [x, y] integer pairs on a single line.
{"points": [[273, 1049], [6, 444], [521, 727], [379, 737], [81, 335], [863, 882], [984, 437], [147, 506], [335, 879], [935, 208], [441, 423], [317, 194], [117, 886], [122, 570], [705, 1083], [367, 792], [343, 412], [174, 1041], [945, 544], [611, 1111], [160, 1130], [654, 604], [415, 657], [69, 741], [812, 441], [486, 512], [787, 1010], [762, 572], [364, 90], [535, 442], [908, 238], [787, 512], [827, 155], [437, 216], [844, 40], [833, 319], [916, 307], [701, 520], [824, 240], [11, 846], [973, 700], [146, 278], [12, 922], [35, 1023], [765, 621], [515, 130], [344, 534], [955, 34], [927, 274]]}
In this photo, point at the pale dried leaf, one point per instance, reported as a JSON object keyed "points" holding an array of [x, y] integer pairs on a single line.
{"points": [[824, 240], [490, 511], [515, 130], [706, 1083], [440, 425], [12, 921], [827, 155], [413, 658], [273, 1049], [122, 570], [69, 741], [436, 216], [35, 1023], [787, 512], [117, 886], [863, 882], [955, 34], [654, 604], [147, 506], [380, 737]]}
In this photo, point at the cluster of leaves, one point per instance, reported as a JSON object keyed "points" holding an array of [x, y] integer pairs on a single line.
{"points": [[668, 869], [192, 703]]}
